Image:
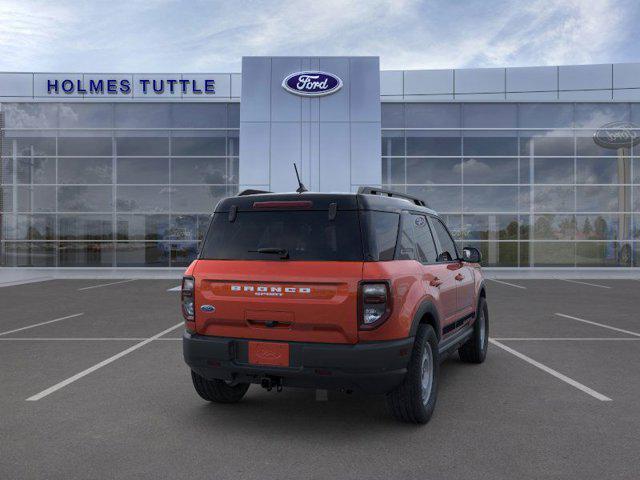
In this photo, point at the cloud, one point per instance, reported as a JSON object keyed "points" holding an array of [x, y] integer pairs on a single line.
{"points": [[172, 36]]}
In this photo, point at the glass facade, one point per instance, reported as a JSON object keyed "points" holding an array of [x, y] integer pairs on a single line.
{"points": [[524, 182], [112, 184]]}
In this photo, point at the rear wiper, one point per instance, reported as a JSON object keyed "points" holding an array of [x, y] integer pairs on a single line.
{"points": [[284, 254]]}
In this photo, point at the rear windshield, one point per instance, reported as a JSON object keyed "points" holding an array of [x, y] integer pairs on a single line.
{"points": [[303, 234]]}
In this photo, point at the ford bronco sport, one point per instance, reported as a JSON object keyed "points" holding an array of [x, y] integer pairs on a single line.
{"points": [[363, 291]]}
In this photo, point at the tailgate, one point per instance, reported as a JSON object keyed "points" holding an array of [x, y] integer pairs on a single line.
{"points": [[278, 300]]}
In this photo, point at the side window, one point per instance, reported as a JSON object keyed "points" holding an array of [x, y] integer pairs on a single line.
{"points": [[381, 233], [447, 249], [406, 245], [426, 249]]}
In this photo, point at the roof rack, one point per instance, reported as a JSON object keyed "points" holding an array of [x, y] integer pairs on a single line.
{"points": [[250, 191], [391, 193]]}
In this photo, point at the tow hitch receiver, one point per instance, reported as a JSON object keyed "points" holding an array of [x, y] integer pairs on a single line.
{"points": [[269, 382]]}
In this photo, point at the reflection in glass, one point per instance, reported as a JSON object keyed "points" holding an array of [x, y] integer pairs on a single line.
{"points": [[199, 115], [490, 170], [553, 170], [196, 199], [36, 227], [489, 145], [546, 144], [603, 198], [441, 199], [23, 254], [490, 199], [85, 199], [434, 170], [433, 115], [89, 115], [602, 226], [142, 198], [490, 227], [85, 227], [94, 146], [433, 143], [37, 198], [554, 199], [392, 115], [393, 170], [554, 227], [132, 170], [553, 254], [142, 227], [603, 170], [183, 253], [199, 170], [80, 254], [603, 254], [35, 170], [392, 143], [147, 146], [85, 170], [496, 254], [142, 115], [205, 146], [29, 146], [138, 254]]}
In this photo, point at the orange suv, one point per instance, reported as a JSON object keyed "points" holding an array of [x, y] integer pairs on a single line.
{"points": [[363, 291]]}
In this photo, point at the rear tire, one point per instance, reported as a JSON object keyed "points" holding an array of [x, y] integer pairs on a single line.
{"points": [[218, 391], [474, 350], [415, 399]]}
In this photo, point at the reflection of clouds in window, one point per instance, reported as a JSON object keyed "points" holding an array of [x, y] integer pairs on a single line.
{"points": [[30, 115]]}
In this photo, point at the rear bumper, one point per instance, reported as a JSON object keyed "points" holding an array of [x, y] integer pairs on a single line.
{"points": [[374, 367]]}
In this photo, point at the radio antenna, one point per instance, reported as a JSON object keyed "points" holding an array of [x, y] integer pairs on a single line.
{"points": [[301, 188]]}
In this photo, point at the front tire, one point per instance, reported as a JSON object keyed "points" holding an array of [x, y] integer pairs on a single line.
{"points": [[474, 350], [218, 391], [415, 399]]}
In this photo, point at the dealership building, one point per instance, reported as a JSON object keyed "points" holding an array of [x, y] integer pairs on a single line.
{"points": [[535, 166]]}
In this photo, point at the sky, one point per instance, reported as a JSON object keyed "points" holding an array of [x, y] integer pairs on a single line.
{"points": [[212, 36]]}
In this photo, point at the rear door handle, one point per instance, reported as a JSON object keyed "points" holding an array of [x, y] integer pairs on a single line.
{"points": [[436, 282], [459, 277]]}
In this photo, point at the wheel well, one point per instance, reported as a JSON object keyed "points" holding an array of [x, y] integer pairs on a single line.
{"points": [[428, 319], [483, 293]]}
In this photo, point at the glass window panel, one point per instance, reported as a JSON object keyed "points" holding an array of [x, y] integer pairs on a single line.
{"points": [[233, 143], [142, 115], [6, 170], [490, 199], [8, 227], [598, 114], [553, 170], [392, 143], [553, 254], [233, 173], [490, 227], [490, 115], [30, 115], [434, 170], [525, 172], [603, 254], [635, 233], [545, 115], [85, 227], [142, 198], [132, 170], [199, 170], [85, 199], [183, 253], [554, 199], [139, 254], [602, 226], [36, 227], [36, 170], [392, 115], [85, 170], [636, 199], [89, 115], [441, 199], [489, 145], [233, 114], [554, 227], [29, 146], [425, 246], [203, 225], [6, 199], [454, 224], [602, 199], [142, 227], [393, 170], [636, 254], [184, 227], [490, 170], [585, 145], [36, 199], [147, 146], [199, 115], [603, 170], [433, 143], [636, 170], [524, 254], [546, 144], [89, 254], [447, 249], [525, 227], [432, 115], [211, 145], [497, 254], [92, 146], [196, 199], [37, 254]]}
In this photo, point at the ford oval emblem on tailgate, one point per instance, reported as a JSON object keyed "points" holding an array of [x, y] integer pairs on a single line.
{"points": [[208, 308]]}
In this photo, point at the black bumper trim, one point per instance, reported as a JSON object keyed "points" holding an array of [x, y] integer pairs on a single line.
{"points": [[373, 367]]}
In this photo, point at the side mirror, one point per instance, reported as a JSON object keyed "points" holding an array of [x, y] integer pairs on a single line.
{"points": [[471, 255]]}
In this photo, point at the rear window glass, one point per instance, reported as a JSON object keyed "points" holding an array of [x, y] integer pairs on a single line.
{"points": [[382, 234], [305, 235]]}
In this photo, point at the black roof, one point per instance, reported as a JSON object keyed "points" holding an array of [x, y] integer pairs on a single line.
{"points": [[321, 201]]}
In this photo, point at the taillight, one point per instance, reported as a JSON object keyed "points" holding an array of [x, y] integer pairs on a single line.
{"points": [[187, 298], [375, 304]]}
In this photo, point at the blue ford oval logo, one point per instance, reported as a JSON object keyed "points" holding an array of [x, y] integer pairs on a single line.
{"points": [[312, 83], [208, 308]]}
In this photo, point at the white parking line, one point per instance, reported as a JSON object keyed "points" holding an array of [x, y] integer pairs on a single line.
{"points": [[507, 283], [107, 284], [41, 323], [584, 283], [96, 339], [571, 339], [175, 289], [109, 360], [629, 332], [551, 371]]}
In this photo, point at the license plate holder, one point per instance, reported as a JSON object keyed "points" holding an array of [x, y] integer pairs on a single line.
{"points": [[269, 353]]}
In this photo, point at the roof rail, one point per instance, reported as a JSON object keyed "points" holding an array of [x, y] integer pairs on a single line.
{"points": [[250, 191], [391, 193]]}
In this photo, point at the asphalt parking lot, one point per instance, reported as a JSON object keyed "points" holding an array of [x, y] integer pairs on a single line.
{"points": [[93, 385]]}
